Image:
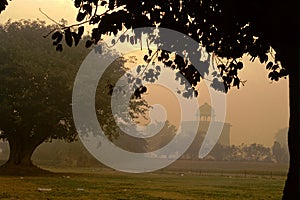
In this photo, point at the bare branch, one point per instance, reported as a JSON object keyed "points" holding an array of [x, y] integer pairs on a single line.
{"points": [[50, 18]]}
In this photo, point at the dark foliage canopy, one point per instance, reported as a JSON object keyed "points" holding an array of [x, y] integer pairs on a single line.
{"points": [[228, 29]]}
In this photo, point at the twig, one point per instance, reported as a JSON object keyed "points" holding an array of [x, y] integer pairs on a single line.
{"points": [[156, 53], [50, 18], [96, 9], [78, 24]]}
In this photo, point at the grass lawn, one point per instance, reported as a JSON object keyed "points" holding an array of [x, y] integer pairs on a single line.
{"points": [[111, 185]]}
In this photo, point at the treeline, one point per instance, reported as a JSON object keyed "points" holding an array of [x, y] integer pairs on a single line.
{"points": [[250, 152], [59, 153]]}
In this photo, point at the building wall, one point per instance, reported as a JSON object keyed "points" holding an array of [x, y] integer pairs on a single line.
{"points": [[193, 150]]}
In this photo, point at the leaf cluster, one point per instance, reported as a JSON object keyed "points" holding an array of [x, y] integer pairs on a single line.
{"points": [[3, 4]]}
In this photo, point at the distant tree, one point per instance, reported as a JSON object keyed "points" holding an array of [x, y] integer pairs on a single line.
{"points": [[253, 152], [280, 153], [256, 152], [236, 153], [282, 138]]}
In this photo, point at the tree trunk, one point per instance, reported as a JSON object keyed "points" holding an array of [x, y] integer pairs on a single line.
{"points": [[20, 153], [292, 184], [19, 162]]}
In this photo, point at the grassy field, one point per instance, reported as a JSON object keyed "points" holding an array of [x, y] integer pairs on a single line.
{"points": [[105, 184]]}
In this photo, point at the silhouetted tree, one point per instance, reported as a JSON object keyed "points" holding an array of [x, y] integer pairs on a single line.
{"points": [[280, 153], [35, 90]]}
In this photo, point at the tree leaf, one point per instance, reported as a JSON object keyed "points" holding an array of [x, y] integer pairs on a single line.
{"points": [[236, 82], [158, 68], [76, 38], [122, 38], [275, 67], [68, 37], [89, 43], [146, 58], [111, 4], [103, 3], [77, 3], [131, 40], [239, 65], [59, 47], [138, 69], [80, 31], [88, 8], [55, 35], [81, 16], [269, 65]]}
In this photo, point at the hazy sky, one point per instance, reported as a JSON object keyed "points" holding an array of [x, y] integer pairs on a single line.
{"points": [[29, 9], [256, 111]]}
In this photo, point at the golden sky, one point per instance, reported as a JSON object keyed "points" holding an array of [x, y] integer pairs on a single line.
{"points": [[256, 111], [29, 9]]}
